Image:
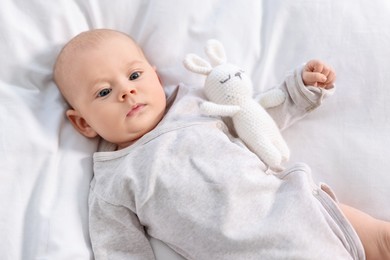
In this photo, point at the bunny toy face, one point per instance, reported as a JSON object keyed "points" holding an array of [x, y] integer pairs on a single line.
{"points": [[225, 83], [228, 84]]}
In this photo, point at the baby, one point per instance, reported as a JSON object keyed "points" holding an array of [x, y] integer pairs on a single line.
{"points": [[183, 178]]}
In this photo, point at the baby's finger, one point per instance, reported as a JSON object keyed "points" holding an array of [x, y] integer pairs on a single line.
{"points": [[326, 71], [331, 78], [311, 78], [314, 66]]}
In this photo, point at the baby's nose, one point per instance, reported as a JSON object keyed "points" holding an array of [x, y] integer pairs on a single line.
{"points": [[127, 92]]}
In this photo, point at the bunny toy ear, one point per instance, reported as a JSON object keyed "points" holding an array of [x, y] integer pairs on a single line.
{"points": [[196, 64], [216, 52]]}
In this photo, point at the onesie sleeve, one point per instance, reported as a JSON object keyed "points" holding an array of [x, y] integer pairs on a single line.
{"points": [[116, 232], [300, 99]]}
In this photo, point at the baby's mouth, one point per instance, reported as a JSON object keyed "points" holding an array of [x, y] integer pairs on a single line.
{"points": [[135, 109]]}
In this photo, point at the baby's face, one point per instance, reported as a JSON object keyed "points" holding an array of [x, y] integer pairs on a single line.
{"points": [[116, 91]]}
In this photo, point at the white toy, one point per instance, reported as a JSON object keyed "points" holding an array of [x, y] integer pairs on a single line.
{"points": [[229, 91]]}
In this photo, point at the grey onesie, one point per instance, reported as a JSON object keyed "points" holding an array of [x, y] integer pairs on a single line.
{"points": [[193, 185]]}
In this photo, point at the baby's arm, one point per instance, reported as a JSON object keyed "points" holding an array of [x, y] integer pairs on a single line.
{"points": [[116, 232], [301, 97]]}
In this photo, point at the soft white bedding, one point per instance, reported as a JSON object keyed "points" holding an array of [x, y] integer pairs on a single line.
{"points": [[45, 166]]}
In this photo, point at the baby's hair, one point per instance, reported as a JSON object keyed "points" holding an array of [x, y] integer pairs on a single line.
{"points": [[82, 42]]}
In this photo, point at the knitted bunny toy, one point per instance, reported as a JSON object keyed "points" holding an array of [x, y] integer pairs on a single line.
{"points": [[229, 91]]}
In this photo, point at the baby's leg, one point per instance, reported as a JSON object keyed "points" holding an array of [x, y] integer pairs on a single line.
{"points": [[374, 233]]}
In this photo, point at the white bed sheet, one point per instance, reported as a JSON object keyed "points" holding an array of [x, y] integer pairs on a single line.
{"points": [[45, 166]]}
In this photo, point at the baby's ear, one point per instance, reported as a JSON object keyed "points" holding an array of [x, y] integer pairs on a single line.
{"points": [[80, 124]]}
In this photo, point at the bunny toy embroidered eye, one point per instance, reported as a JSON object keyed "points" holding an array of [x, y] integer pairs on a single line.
{"points": [[229, 91]]}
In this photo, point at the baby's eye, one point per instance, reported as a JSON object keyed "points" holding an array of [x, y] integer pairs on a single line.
{"points": [[104, 92], [135, 75]]}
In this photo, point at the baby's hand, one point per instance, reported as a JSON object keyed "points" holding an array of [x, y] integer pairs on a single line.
{"points": [[317, 73]]}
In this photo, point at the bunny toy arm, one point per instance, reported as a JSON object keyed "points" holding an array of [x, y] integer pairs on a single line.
{"points": [[213, 109], [272, 98]]}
